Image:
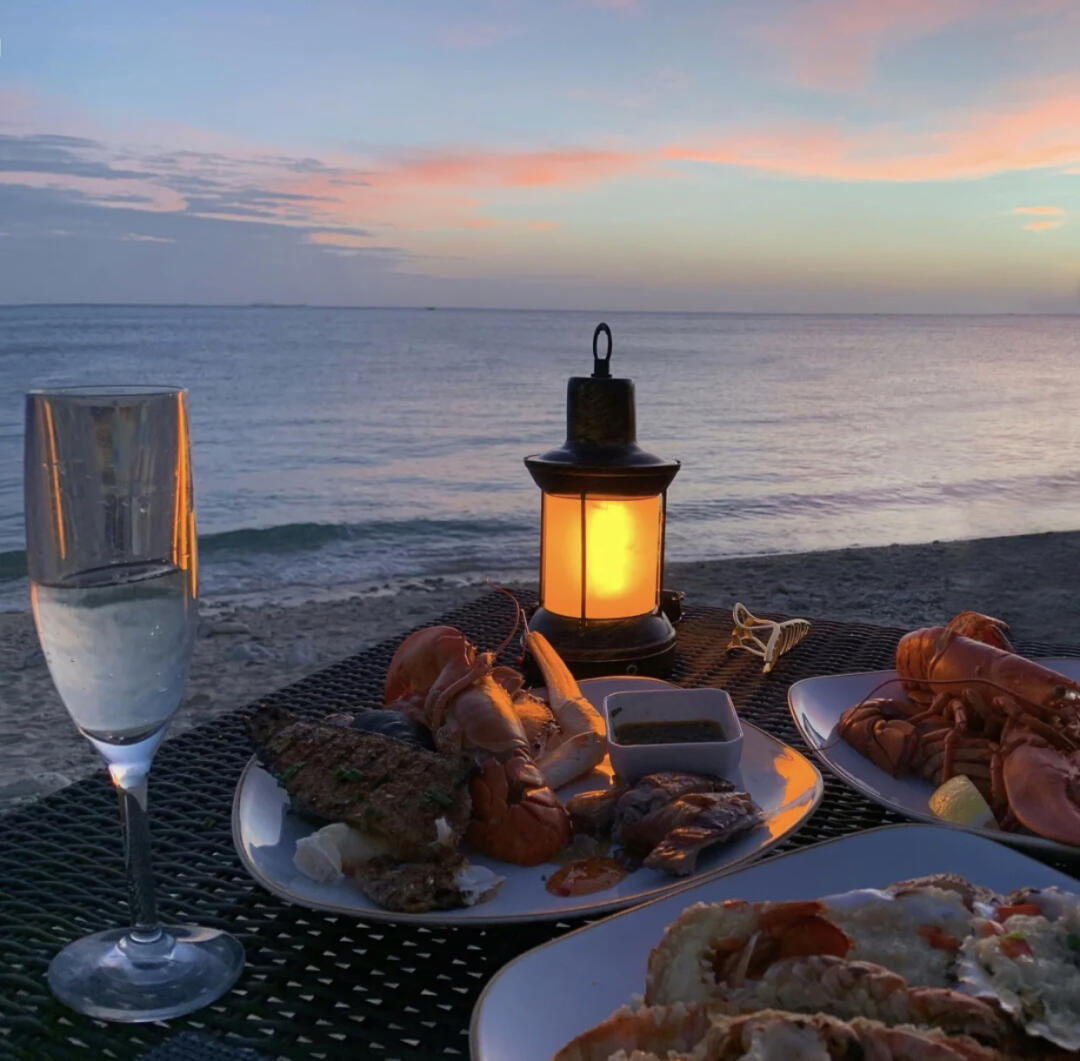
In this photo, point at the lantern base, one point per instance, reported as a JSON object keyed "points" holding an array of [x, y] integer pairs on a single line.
{"points": [[591, 648]]}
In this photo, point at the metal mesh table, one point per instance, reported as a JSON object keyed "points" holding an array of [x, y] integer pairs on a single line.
{"points": [[315, 984]]}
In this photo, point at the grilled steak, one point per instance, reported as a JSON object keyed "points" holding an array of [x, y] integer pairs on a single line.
{"points": [[380, 785]]}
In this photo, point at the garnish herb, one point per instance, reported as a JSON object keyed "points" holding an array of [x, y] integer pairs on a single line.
{"points": [[288, 773], [350, 773], [433, 795]]}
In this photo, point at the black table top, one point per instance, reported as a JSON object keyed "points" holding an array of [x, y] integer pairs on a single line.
{"points": [[316, 984]]}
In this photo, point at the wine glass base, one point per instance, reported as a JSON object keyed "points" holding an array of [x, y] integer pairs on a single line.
{"points": [[113, 975]]}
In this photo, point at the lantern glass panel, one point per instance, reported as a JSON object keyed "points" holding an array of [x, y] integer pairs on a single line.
{"points": [[622, 555]]}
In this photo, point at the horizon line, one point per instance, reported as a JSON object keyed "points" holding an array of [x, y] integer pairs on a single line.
{"points": [[549, 309]]}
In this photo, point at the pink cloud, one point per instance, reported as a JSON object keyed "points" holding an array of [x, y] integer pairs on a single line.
{"points": [[832, 44], [1051, 217], [1042, 133], [458, 189], [505, 169]]}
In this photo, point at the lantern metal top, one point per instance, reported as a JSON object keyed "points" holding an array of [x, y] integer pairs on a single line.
{"points": [[601, 454]]}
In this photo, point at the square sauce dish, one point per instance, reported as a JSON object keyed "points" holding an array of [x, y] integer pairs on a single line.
{"points": [[695, 731]]}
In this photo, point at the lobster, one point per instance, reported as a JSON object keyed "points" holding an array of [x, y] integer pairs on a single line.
{"points": [[976, 707], [524, 749]]}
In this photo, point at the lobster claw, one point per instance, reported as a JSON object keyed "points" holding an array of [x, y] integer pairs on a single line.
{"points": [[1043, 786], [512, 820]]}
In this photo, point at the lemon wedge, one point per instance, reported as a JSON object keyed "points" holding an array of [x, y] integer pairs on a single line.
{"points": [[960, 802]]}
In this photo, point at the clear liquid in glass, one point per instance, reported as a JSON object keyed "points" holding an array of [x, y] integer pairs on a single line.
{"points": [[117, 641]]}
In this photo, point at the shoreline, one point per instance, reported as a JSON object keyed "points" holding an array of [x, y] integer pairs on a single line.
{"points": [[244, 651]]}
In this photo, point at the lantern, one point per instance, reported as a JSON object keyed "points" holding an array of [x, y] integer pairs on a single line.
{"points": [[603, 505]]}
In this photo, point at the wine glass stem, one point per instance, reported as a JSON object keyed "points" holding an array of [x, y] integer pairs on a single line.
{"points": [[145, 926]]}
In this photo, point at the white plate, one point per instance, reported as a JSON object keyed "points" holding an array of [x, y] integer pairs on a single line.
{"points": [[783, 783], [817, 704], [540, 1001]]}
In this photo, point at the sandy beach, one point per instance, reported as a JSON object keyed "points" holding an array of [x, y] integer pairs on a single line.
{"points": [[244, 651]]}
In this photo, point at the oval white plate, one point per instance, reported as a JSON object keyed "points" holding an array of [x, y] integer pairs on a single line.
{"points": [[783, 783], [537, 1003], [817, 704]]}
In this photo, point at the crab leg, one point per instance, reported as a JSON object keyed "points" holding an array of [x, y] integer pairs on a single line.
{"points": [[581, 741]]}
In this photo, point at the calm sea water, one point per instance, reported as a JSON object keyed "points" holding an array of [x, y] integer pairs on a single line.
{"points": [[337, 449]]}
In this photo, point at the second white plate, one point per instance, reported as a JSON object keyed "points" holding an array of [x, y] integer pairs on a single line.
{"points": [[783, 783], [817, 704], [540, 1001]]}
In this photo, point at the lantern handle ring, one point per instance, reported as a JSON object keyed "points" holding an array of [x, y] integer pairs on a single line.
{"points": [[601, 365]]}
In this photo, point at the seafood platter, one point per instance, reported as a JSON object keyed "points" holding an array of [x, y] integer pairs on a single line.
{"points": [[960, 702], [901, 943], [468, 798]]}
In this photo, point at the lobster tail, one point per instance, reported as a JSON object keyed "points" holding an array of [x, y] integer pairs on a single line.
{"points": [[513, 821]]}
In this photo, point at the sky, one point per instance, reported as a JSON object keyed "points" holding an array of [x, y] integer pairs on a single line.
{"points": [[734, 155]]}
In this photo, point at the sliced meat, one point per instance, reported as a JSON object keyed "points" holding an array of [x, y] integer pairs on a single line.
{"points": [[657, 790], [594, 812], [643, 835], [701, 819], [415, 800]]}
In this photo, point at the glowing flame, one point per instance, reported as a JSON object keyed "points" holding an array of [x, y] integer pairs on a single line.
{"points": [[621, 546]]}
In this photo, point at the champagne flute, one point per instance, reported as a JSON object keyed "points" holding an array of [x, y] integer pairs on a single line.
{"points": [[110, 551]]}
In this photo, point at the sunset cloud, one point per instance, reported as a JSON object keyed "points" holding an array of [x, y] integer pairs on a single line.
{"points": [[348, 203], [833, 44], [1048, 217], [1037, 135], [506, 169]]}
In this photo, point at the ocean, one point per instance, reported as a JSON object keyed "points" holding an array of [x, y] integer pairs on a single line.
{"points": [[343, 450]]}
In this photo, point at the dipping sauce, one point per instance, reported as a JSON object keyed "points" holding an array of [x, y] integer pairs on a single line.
{"points": [[586, 876], [680, 731]]}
